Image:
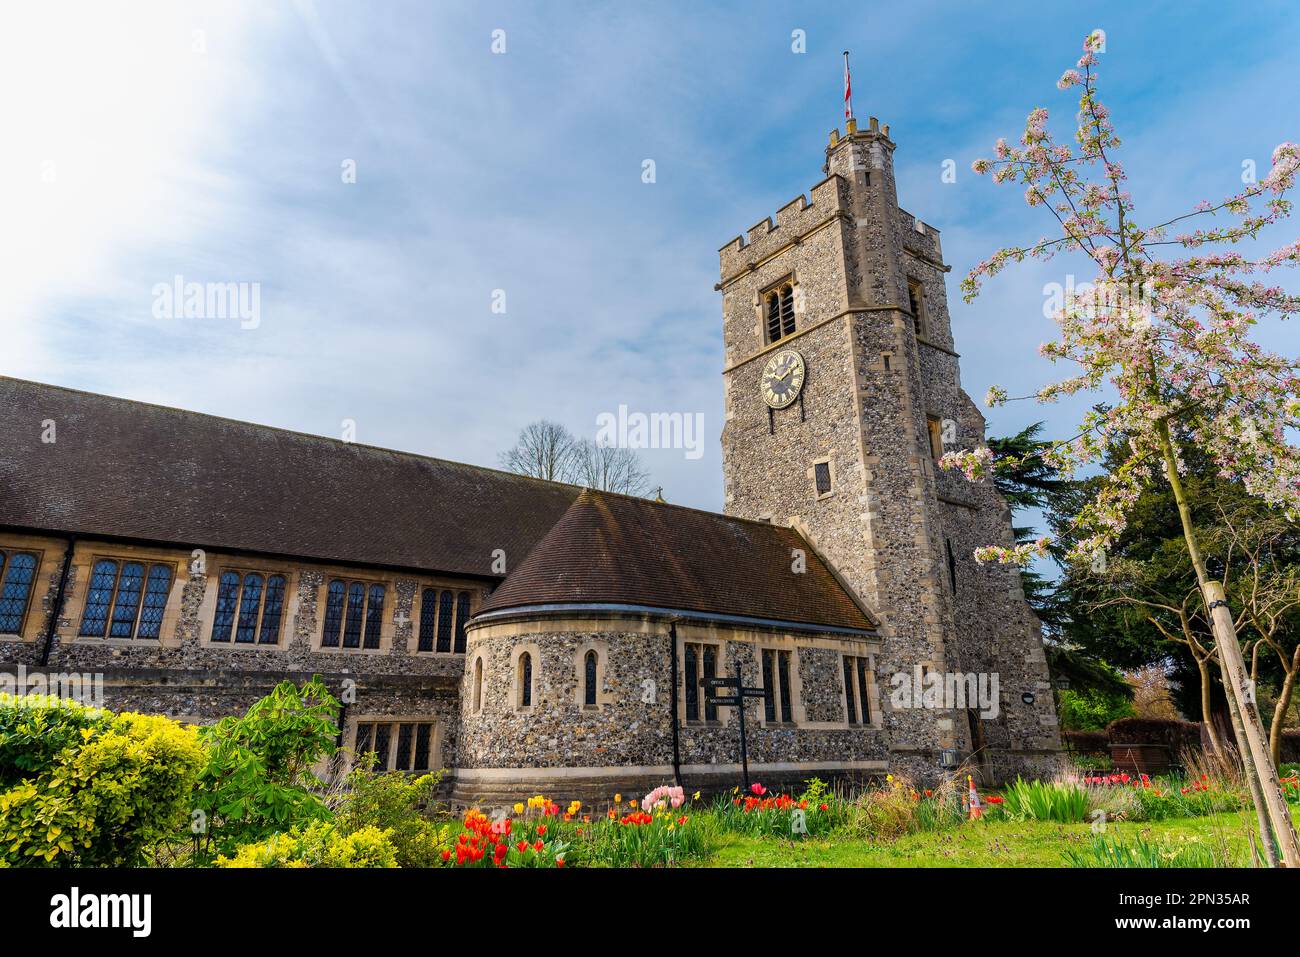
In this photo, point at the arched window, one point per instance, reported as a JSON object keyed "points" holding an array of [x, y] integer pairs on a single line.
{"points": [[428, 618], [374, 616], [249, 602], [354, 612], [525, 680], [462, 616], [444, 621], [780, 312], [18, 572], [478, 685], [589, 679], [114, 600], [251, 607], [356, 615], [333, 615]]}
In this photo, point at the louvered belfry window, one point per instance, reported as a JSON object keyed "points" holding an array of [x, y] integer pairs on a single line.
{"points": [[779, 304]]}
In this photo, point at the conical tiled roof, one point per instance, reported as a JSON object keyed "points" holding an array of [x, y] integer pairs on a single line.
{"points": [[615, 549]]}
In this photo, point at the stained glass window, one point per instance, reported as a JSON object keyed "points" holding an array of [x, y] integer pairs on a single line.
{"points": [[99, 598], [17, 589], [428, 617], [444, 621], [356, 613], [462, 617], [589, 679], [126, 606], [272, 610], [374, 616], [333, 614], [249, 604], [155, 602]]}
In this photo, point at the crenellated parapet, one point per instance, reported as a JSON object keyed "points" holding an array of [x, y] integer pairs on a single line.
{"points": [[794, 220]]}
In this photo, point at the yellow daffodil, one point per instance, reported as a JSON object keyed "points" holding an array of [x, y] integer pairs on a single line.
{"points": [[695, 796]]}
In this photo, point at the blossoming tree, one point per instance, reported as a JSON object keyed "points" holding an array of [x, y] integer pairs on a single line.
{"points": [[1165, 328]]}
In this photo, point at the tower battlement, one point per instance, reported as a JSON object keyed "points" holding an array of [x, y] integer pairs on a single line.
{"points": [[793, 220]]}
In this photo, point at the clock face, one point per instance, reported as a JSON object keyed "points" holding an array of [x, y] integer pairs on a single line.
{"points": [[782, 378]]}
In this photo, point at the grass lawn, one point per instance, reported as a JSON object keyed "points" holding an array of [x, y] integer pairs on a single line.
{"points": [[979, 844]]}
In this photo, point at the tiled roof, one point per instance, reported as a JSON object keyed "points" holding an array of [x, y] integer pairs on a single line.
{"points": [[615, 549], [132, 470]]}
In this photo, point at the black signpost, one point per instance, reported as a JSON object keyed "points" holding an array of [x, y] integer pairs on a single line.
{"points": [[734, 700]]}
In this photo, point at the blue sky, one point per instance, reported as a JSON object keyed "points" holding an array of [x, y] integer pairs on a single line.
{"points": [[207, 140]]}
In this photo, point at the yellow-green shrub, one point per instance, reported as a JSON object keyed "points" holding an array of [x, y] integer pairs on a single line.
{"points": [[319, 844], [105, 795]]}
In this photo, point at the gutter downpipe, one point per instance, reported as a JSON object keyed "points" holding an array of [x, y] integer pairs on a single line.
{"points": [[59, 595], [672, 701]]}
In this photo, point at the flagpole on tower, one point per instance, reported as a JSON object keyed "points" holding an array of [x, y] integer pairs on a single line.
{"points": [[848, 89]]}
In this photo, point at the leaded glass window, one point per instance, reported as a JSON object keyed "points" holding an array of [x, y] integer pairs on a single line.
{"points": [[848, 690], [227, 603], [710, 658], [18, 571], [783, 672], [589, 679], [444, 621], [99, 599], [405, 732], [356, 615], [126, 605], [462, 618], [333, 614], [397, 745], [249, 603], [428, 618], [692, 683], [769, 689], [155, 602], [423, 738], [525, 680], [272, 610], [374, 616]]}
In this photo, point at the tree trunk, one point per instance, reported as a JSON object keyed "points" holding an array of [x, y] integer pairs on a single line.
{"points": [[1279, 711], [1234, 671], [1252, 780], [1203, 665]]}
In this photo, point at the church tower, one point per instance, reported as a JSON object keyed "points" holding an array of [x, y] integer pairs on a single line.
{"points": [[842, 388]]}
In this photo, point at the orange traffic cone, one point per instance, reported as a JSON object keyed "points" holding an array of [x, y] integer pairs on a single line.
{"points": [[976, 809]]}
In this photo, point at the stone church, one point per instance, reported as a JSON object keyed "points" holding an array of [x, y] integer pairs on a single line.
{"points": [[534, 636]]}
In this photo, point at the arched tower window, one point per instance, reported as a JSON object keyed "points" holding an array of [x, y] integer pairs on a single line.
{"points": [[779, 306], [589, 679]]}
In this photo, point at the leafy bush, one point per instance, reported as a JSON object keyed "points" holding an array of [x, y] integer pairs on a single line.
{"points": [[1115, 852], [97, 789], [1045, 801], [258, 779], [34, 729], [318, 844], [1091, 710], [395, 803]]}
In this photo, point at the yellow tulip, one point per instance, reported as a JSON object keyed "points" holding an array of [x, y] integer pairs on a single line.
{"points": [[519, 809], [618, 799]]}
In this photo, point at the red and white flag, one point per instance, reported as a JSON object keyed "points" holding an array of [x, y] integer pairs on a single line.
{"points": [[848, 89]]}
